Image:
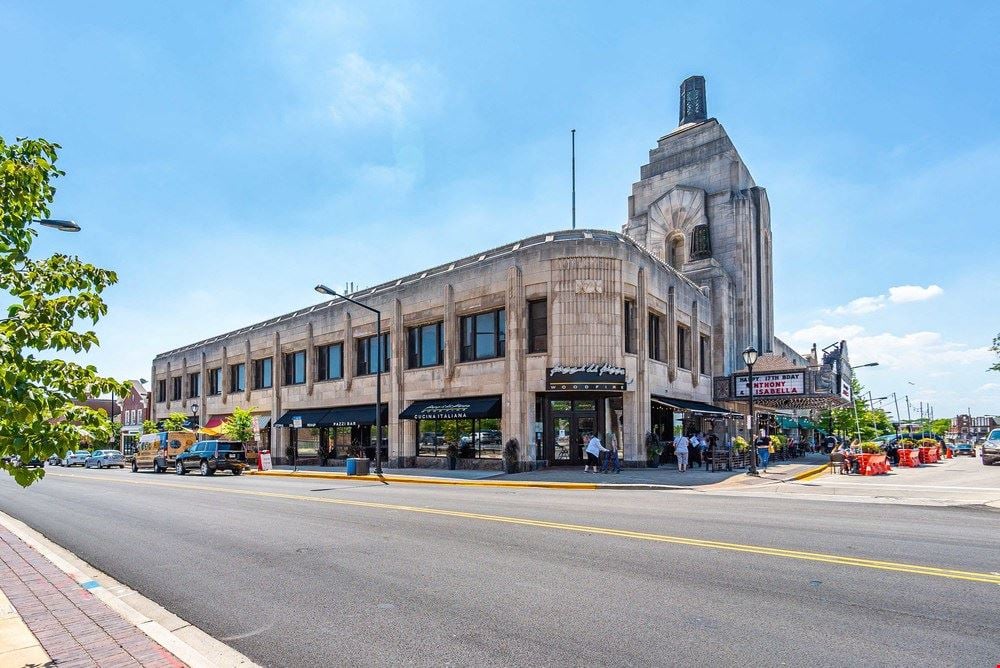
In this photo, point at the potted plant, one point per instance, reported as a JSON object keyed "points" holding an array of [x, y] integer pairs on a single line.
{"points": [[452, 453], [870, 447], [510, 455], [653, 451], [740, 450]]}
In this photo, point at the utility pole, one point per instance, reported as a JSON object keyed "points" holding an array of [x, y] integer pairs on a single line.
{"points": [[896, 401], [909, 418], [573, 139]]}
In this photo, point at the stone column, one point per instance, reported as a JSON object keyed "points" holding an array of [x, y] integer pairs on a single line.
{"points": [[185, 385], [397, 345], [247, 371], [671, 336], [348, 351], [170, 389], [279, 437], [452, 343], [515, 421], [202, 391], [641, 394], [695, 345], [225, 374], [311, 361]]}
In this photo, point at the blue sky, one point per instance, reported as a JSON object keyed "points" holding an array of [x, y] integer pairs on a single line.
{"points": [[225, 157]]}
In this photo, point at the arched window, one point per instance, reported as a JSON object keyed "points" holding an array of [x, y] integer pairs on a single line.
{"points": [[701, 243], [675, 252]]}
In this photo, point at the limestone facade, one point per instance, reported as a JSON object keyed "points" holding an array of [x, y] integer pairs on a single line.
{"points": [[585, 277]]}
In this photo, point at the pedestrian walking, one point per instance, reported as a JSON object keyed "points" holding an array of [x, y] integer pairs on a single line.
{"points": [[763, 445], [695, 447], [681, 444], [594, 450]]}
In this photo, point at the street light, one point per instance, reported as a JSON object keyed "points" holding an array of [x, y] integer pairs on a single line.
{"points": [[194, 410], [750, 358], [61, 225], [323, 290], [857, 422]]}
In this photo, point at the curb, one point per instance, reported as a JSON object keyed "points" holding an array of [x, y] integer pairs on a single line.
{"points": [[421, 480], [156, 631], [808, 473]]}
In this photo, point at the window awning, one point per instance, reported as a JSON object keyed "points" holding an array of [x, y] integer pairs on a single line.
{"points": [[454, 409], [691, 406], [263, 421], [338, 416], [213, 422]]}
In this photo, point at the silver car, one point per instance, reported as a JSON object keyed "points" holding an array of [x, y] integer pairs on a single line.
{"points": [[78, 458], [105, 459]]}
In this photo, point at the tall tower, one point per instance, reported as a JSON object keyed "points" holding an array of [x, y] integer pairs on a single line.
{"points": [[697, 208]]}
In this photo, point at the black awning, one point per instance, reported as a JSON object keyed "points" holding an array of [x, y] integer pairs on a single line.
{"points": [[454, 409], [311, 417], [338, 416], [691, 406]]}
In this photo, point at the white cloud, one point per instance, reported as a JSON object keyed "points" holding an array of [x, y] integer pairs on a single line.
{"points": [[361, 92], [913, 293], [899, 294]]}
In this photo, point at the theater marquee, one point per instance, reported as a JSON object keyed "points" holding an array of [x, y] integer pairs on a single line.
{"points": [[772, 384]]}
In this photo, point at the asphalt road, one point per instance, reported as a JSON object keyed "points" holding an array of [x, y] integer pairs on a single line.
{"points": [[309, 573]]}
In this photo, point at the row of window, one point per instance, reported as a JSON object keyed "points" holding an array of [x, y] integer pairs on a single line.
{"points": [[656, 349], [482, 336]]}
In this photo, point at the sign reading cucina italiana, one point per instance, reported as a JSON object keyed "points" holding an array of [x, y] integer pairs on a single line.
{"points": [[771, 384]]}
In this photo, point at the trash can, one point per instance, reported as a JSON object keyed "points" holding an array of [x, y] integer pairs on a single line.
{"points": [[357, 466]]}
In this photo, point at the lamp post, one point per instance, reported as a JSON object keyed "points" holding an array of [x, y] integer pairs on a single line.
{"points": [[854, 405], [322, 289], [750, 358], [194, 411]]}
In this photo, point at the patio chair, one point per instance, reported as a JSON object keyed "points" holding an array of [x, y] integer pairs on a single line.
{"points": [[837, 462]]}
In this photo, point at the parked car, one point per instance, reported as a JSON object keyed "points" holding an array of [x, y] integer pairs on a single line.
{"points": [[78, 458], [159, 451], [209, 457], [54, 460], [991, 448], [962, 449], [15, 460], [105, 459], [34, 462]]}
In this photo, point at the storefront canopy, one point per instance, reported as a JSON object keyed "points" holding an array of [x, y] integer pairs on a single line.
{"points": [[453, 409], [340, 416], [691, 406]]}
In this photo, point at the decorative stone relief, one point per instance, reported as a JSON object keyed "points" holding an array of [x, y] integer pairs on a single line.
{"points": [[589, 286]]}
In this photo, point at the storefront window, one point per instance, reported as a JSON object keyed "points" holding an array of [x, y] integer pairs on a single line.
{"points": [[307, 439], [473, 438], [562, 405]]}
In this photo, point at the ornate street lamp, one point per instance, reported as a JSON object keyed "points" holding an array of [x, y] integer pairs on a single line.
{"points": [[750, 358], [323, 290], [194, 410]]}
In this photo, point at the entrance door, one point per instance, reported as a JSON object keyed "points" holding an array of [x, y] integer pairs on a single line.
{"points": [[571, 426]]}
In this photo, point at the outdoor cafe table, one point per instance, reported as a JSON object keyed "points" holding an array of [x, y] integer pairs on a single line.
{"points": [[908, 457]]}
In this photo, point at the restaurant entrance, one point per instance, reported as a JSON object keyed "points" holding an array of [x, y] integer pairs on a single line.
{"points": [[569, 423]]}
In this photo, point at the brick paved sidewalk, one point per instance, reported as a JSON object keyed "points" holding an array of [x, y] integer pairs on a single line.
{"points": [[74, 627]]}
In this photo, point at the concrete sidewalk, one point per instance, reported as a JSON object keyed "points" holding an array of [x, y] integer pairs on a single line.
{"points": [[562, 477], [48, 618]]}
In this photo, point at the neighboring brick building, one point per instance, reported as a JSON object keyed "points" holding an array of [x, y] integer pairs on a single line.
{"points": [[134, 409]]}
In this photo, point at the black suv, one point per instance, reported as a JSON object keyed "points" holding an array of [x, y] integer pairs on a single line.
{"points": [[211, 456]]}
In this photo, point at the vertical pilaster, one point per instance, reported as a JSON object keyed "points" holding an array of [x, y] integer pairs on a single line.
{"points": [[310, 360], [695, 345], [203, 391], [185, 388], [671, 335], [398, 346], [642, 408], [247, 371], [225, 374], [515, 421], [349, 351], [452, 343], [278, 436], [170, 389]]}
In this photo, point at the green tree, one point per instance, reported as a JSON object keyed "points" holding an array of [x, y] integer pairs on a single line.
{"points": [[996, 348], [174, 422], [939, 426], [149, 427], [239, 425], [845, 421], [40, 394]]}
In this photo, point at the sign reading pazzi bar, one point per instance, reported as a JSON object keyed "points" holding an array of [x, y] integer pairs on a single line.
{"points": [[586, 377], [771, 384]]}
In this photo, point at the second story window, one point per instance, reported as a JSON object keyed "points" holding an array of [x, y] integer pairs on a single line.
{"points": [[704, 350], [161, 390], [194, 385], [215, 381], [369, 354], [538, 326], [295, 368], [425, 345], [237, 377], [631, 336], [683, 347], [330, 362], [654, 337], [262, 374], [484, 336], [175, 393]]}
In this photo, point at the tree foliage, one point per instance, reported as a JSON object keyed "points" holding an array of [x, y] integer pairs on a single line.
{"points": [[239, 425], [939, 426], [174, 422], [996, 349], [47, 296], [149, 427], [870, 423]]}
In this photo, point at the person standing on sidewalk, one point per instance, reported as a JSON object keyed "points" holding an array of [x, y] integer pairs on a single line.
{"points": [[763, 445], [681, 451], [594, 450]]}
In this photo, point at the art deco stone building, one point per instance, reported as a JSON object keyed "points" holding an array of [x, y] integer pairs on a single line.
{"points": [[547, 340]]}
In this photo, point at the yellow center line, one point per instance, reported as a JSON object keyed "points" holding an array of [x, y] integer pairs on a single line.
{"points": [[914, 569]]}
